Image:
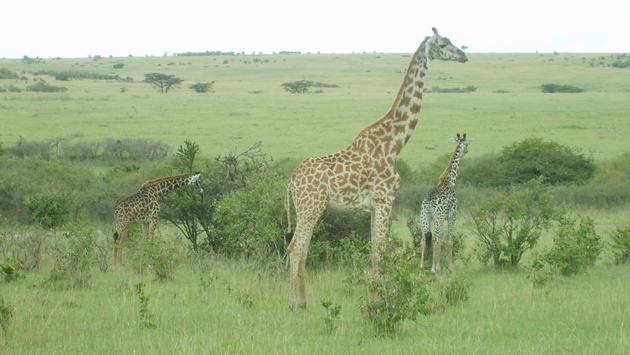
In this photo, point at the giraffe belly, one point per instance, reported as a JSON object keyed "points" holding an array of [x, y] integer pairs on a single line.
{"points": [[361, 202]]}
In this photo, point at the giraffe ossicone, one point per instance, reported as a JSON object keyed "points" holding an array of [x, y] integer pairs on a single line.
{"points": [[440, 205], [361, 177], [144, 206]]}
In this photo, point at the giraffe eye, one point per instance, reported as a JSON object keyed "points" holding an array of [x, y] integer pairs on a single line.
{"points": [[442, 45]]}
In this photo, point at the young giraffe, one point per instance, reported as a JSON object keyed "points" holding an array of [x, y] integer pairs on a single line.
{"points": [[144, 206], [362, 176], [441, 203]]}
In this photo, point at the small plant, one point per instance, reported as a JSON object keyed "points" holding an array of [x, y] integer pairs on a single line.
{"points": [[332, 312], [574, 249], [621, 244], [455, 291], [146, 318], [10, 274], [6, 313], [395, 295], [73, 258]]}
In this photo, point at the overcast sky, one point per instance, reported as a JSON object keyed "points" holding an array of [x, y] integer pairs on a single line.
{"points": [[73, 28]]}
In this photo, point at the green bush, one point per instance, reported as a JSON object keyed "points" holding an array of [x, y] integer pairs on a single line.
{"points": [[399, 293], [73, 257], [533, 158], [620, 244], [248, 222], [509, 224], [42, 86], [202, 87], [49, 209], [134, 149], [574, 249], [554, 88], [7, 74], [298, 87], [119, 65], [437, 89]]}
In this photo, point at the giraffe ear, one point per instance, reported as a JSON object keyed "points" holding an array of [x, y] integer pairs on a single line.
{"points": [[435, 32]]}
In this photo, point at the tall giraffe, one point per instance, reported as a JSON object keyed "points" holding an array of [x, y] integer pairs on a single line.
{"points": [[440, 204], [362, 176], [144, 206]]}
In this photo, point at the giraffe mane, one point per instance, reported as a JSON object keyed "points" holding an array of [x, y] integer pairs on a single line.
{"points": [[155, 181], [389, 113], [450, 163]]}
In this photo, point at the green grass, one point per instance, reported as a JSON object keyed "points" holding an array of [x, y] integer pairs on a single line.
{"points": [[235, 308], [303, 125]]}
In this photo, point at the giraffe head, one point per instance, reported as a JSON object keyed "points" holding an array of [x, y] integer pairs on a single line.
{"points": [[194, 181], [441, 48], [462, 143]]}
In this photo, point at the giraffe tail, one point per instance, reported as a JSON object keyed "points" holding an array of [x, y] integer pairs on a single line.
{"points": [[287, 206], [116, 236]]}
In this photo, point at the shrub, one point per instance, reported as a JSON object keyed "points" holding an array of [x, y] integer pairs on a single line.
{"points": [[202, 87], [10, 273], [619, 63], [535, 157], [73, 258], [248, 222], [620, 244], [7, 74], [134, 149], [554, 88], [399, 293], [509, 224], [13, 88], [6, 313], [574, 249], [297, 87], [49, 209], [42, 86], [437, 89], [119, 65], [81, 151], [24, 148]]}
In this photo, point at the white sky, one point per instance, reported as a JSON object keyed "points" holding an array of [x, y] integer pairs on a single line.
{"points": [[74, 28]]}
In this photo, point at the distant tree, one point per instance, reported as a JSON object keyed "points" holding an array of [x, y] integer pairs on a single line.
{"points": [[297, 87], [535, 157], [202, 87], [163, 82]]}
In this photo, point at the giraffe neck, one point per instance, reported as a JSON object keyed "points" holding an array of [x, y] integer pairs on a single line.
{"points": [[450, 173], [394, 129], [161, 186]]}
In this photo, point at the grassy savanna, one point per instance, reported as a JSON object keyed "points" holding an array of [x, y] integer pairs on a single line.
{"points": [[219, 305], [249, 105]]}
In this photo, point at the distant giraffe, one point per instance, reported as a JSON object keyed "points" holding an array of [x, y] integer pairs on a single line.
{"points": [[441, 204], [362, 176], [144, 206]]}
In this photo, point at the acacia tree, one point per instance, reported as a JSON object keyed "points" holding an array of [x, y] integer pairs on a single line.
{"points": [[163, 82]]}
